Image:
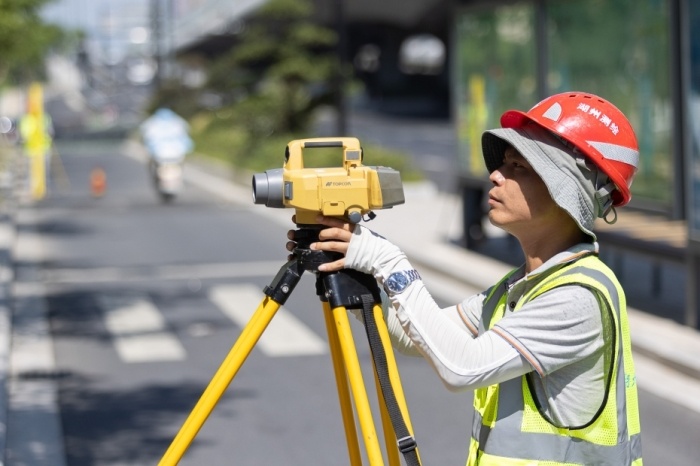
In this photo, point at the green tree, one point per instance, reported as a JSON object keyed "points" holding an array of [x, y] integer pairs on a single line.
{"points": [[268, 86], [24, 40], [278, 72]]}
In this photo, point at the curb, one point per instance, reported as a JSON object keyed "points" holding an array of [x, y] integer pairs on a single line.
{"points": [[429, 246], [664, 340]]}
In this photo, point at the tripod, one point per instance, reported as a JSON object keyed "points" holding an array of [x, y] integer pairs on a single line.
{"points": [[338, 291]]}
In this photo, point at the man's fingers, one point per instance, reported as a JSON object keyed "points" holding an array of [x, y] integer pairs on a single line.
{"points": [[332, 266], [331, 221], [335, 222], [335, 233], [333, 246]]}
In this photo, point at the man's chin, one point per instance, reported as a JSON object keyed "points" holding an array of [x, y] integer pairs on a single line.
{"points": [[493, 219]]}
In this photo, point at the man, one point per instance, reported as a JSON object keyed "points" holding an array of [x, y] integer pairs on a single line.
{"points": [[36, 131], [547, 349]]}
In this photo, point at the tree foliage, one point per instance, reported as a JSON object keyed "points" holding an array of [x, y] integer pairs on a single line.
{"points": [[24, 40], [279, 69]]}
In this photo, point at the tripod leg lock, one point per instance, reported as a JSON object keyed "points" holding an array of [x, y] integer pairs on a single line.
{"points": [[407, 444], [346, 288], [285, 281]]}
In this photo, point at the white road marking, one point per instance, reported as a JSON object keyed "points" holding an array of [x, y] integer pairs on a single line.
{"points": [[138, 331], [285, 335], [165, 272]]}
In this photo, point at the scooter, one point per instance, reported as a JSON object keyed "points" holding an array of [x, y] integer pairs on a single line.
{"points": [[168, 179], [166, 166]]}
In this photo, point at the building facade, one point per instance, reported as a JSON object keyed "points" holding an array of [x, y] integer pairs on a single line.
{"points": [[642, 55], [513, 54]]}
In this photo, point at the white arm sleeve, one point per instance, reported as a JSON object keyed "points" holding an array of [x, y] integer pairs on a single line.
{"points": [[440, 335], [399, 338]]}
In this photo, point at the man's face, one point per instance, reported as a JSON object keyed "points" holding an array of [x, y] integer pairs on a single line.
{"points": [[519, 201]]}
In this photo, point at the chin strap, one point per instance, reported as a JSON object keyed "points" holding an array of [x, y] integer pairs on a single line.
{"points": [[604, 203], [614, 219]]}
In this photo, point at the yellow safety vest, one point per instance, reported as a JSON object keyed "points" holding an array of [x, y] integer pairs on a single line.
{"points": [[34, 130], [508, 429]]}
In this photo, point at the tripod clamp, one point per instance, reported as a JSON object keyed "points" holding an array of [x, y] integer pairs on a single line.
{"points": [[303, 259]]}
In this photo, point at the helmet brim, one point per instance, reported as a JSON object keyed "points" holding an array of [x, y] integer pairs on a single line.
{"points": [[514, 119]]}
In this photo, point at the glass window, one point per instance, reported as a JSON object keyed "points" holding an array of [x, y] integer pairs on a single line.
{"points": [[694, 117], [495, 71], [619, 50]]}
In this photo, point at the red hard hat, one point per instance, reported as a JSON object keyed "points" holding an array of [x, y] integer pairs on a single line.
{"points": [[595, 127]]}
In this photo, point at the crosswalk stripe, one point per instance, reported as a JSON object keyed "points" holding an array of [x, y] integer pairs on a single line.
{"points": [[138, 331], [285, 336]]}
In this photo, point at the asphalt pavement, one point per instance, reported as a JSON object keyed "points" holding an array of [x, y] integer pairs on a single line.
{"points": [[426, 227]]}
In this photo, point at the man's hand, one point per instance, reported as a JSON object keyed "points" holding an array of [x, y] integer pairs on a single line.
{"points": [[335, 238]]}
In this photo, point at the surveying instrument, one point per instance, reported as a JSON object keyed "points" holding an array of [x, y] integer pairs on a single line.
{"points": [[349, 192]]}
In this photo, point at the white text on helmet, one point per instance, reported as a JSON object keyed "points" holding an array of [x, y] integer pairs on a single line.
{"points": [[600, 116]]}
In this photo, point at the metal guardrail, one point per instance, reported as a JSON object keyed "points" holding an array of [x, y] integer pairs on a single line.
{"points": [[650, 235]]}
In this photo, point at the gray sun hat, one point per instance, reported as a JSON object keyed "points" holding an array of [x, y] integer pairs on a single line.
{"points": [[574, 184]]}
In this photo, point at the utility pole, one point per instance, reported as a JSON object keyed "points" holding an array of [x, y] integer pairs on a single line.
{"points": [[341, 50], [171, 39], [156, 35]]}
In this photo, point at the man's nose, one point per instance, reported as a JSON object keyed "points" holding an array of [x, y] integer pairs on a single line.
{"points": [[497, 177]]}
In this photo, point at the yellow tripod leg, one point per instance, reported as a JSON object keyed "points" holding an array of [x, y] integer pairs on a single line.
{"points": [[342, 384], [221, 380], [352, 364], [395, 379], [388, 428]]}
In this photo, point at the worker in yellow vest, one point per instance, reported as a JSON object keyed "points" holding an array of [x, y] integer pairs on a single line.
{"points": [[547, 349], [36, 131]]}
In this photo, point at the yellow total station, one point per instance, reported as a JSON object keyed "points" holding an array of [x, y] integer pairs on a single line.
{"points": [[349, 191]]}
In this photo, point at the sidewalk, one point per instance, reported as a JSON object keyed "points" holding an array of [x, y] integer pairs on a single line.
{"points": [[426, 228]]}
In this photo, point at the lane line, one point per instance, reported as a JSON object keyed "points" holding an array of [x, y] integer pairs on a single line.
{"points": [[285, 336], [165, 272], [138, 332]]}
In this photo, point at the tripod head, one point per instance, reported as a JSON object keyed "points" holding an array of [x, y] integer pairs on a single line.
{"points": [[344, 287], [310, 259]]}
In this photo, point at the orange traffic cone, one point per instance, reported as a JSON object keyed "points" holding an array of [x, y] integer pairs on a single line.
{"points": [[98, 182]]}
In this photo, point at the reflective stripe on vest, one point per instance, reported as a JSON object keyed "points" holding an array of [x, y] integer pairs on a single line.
{"points": [[508, 429]]}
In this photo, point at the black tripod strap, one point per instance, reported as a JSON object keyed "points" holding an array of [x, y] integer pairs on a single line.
{"points": [[406, 442]]}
